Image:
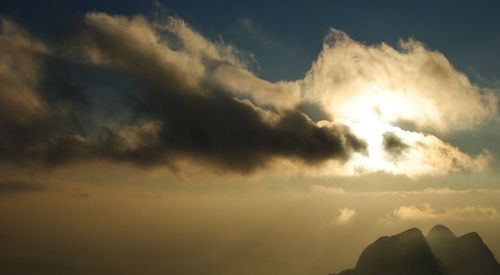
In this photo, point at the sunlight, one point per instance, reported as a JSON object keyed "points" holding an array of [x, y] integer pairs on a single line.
{"points": [[377, 103], [372, 114]]}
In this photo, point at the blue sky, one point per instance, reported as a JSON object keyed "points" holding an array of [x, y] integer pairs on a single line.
{"points": [[287, 35]]}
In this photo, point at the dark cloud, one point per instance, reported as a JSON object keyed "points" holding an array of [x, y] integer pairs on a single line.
{"points": [[393, 145], [314, 111], [122, 95]]}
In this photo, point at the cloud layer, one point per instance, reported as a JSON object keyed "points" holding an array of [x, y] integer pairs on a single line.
{"points": [[128, 89], [426, 212]]}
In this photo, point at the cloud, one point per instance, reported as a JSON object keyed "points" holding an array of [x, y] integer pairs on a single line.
{"points": [[329, 190], [346, 214], [180, 104], [426, 212], [375, 89], [22, 109], [409, 153], [432, 191], [19, 74], [393, 145], [411, 84], [129, 89]]}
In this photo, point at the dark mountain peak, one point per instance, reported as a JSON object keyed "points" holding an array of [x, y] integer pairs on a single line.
{"points": [[478, 253], [465, 255], [404, 253], [441, 237], [471, 237], [412, 231], [440, 231], [407, 234], [412, 234], [441, 252]]}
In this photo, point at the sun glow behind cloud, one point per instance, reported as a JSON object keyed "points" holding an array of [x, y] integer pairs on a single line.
{"points": [[419, 153], [375, 89], [199, 100]]}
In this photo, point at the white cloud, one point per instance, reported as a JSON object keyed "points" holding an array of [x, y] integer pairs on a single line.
{"points": [[346, 214], [425, 154], [228, 66], [373, 88], [357, 82]]}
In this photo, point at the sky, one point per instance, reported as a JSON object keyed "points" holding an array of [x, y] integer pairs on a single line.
{"points": [[153, 137]]}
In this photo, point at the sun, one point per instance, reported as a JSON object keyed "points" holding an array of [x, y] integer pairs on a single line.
{"points": [[377, 103], [373, 115]]}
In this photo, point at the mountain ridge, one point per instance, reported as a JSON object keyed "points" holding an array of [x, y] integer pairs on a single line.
{"points": [[440, 252]]}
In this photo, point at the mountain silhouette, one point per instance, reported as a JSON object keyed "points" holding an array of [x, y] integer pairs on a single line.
{"points": [[465, 255], [440, 253]]}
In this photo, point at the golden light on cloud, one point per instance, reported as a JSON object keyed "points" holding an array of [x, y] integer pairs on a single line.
{"points": [[221, 113], [373, 89], [412, 154], [346, 214]]}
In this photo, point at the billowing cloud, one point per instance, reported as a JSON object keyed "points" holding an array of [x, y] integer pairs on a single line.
{"points": [[426, 212], [19, 75], [376, 89], [128, 89], [346, 214], [359, 82], [179, 106]]}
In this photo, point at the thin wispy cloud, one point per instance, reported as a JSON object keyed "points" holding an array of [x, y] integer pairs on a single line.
{"points": [[426, 212]]}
